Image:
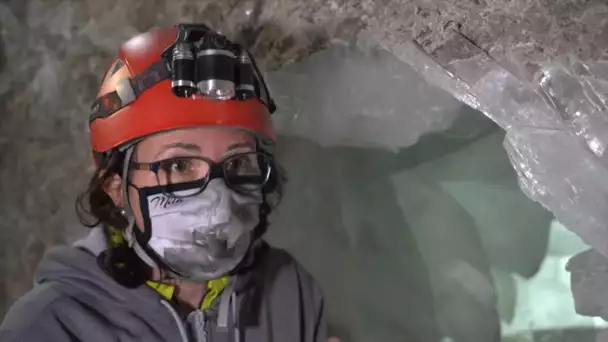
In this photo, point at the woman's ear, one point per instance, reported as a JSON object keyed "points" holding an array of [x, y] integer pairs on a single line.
{"points": [[113, 187]]}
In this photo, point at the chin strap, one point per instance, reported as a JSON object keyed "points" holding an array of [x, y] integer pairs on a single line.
{"points": [[129, 233], [132, 242]]}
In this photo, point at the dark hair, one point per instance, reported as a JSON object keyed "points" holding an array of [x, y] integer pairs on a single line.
{"points": [[95, 208]]}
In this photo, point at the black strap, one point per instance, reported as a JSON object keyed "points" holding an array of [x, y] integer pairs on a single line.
{"points": [[105, 105], [153, 74]]}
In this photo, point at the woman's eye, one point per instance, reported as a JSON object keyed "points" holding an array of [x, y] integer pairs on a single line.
{"points": [[242, 165], [176, 166], [236, 164], [180, 166]]}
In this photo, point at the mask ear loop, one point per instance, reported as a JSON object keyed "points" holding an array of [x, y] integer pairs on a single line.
{"points": [[129, 232]]}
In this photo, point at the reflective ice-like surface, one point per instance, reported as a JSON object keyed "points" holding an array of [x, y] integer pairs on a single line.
{"points": [[359, 96], [399, 234]]}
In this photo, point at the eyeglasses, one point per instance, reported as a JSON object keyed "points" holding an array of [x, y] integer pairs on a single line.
{"points": [[243, 172]]}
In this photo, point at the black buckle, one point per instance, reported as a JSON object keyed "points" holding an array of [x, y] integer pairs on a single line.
{"points": [[187, 33]]}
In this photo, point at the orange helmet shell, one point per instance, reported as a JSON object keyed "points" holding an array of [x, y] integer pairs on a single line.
{"points": [[157, 109]]}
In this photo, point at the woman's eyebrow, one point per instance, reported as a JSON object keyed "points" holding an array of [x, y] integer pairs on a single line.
{"points": [[239, 145], [180, 145]]}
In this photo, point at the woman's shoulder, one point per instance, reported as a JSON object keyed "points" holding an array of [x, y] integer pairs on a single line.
{"points": [[283, 271], [38, 308]]}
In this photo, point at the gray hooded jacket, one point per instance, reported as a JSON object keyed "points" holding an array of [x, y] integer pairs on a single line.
{"points": [[74, 300]]}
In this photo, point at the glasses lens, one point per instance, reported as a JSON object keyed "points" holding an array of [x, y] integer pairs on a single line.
{"points": [[246, 171], [176, 171]]}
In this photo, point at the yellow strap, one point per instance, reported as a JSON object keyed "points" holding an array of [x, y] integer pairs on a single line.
{"points": [[115, 237], [164, 290], [214, 289]]}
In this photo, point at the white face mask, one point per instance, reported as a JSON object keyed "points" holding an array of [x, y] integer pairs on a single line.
{"points": [[204, 236]]}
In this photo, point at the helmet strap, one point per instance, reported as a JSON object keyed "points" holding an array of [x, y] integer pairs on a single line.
{"points": [[130, 233]]}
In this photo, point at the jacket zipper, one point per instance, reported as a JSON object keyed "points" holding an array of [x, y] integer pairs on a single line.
{"points": [[201, 326], [207, 327]]}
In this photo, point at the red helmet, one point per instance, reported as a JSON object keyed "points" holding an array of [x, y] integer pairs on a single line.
{"points": [[136, 97]]}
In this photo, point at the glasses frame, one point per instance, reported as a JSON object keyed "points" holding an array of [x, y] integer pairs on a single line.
{"points": [[216, 170]]}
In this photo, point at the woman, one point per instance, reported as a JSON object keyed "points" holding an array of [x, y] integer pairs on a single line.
{"points": [[183, 188]]}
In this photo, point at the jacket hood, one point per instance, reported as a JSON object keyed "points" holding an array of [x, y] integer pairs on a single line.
{"points": [[78, 269], [74, 299]]}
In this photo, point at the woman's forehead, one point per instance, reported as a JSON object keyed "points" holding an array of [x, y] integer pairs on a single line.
{"points": [[208, 138]]}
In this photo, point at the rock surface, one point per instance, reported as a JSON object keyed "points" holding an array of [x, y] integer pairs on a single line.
{"points": [[53, 52]]}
